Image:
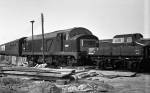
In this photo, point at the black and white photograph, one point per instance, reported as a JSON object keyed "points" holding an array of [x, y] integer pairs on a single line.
{"points": [[74, 46]]}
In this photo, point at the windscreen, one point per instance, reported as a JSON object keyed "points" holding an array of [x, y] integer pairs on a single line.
{"points": [[89, 43]]}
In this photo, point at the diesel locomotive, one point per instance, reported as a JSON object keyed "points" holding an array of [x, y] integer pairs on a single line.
{"points": [[127, 51], [63, 47]]}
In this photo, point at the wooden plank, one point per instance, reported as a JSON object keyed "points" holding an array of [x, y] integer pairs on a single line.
{"points": [[29, 77], [32, 69], [40, 73], [35, 74]]}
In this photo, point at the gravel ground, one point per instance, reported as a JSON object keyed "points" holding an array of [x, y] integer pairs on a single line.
{"points": [[137, 84]]}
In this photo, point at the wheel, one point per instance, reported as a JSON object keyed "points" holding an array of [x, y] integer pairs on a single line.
{"points": [[135, 66], [72, 61], [101, 65]]}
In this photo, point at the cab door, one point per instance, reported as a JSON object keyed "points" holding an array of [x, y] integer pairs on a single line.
{"points": [[147, 52]]}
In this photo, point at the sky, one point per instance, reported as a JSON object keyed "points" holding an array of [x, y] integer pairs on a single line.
{"points": [[104, 18]]}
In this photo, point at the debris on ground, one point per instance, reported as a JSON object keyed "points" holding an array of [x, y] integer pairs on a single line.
{"points": [[84, 75], [16, 85], [105, 74], [116, 74], [27, 86], [41, 65], [87, 87]]}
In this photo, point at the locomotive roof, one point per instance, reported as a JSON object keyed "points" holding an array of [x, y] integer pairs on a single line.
{"points": [[72, 32], [16, 40], [128, 35]]}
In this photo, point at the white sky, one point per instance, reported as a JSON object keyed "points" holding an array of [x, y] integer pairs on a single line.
{"points": [[105, 18]]}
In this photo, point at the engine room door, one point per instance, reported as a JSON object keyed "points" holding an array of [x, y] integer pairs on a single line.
{"points": [[60, 41]]}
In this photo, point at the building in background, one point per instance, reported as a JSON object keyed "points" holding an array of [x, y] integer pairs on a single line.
{"points": [[147, 18]]}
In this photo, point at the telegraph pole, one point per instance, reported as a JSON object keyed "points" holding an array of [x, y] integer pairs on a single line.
{"points": [[32, 39], [43, 48]]}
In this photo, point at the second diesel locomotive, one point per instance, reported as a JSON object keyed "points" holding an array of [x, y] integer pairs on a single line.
{"points": [[127, 51], [63, 47]]}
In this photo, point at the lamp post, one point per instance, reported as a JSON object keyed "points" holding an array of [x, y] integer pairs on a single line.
{"points": [[32, 39]]}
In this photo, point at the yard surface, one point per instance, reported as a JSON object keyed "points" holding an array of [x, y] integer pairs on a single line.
{"points": [[96, 82]]}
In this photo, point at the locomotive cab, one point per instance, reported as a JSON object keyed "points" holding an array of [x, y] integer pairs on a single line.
{"points": [[127, 38], [80, 40], [145, 43]]}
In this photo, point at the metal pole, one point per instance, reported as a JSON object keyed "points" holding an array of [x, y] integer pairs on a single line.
{"points": [[43, 48], [32, 40]]}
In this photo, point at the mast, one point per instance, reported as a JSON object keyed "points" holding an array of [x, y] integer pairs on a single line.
{"points": [[43, 48], [32, 40]]}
